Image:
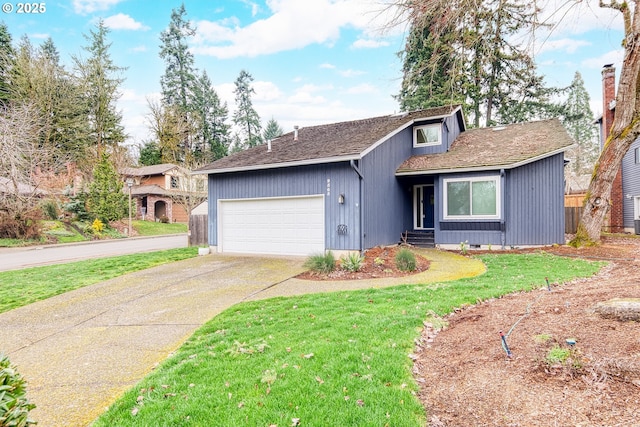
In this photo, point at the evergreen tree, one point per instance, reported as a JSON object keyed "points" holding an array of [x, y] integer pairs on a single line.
{"points": [[579, 124], [40, 80], [211, 116], [6, 64], [245, 116], [100, 86], [272, 130], [150, 154], [106, 200], [428, 78], [461, 52]]}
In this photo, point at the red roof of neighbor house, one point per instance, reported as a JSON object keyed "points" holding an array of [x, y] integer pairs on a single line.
{"points": [[497, 147], [325, 143]]}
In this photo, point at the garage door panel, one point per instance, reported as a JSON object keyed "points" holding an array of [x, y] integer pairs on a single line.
{"points": [[287, 226]]}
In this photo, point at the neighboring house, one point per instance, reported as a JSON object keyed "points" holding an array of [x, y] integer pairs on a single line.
{"points": [[624, 211], [354, 185], [8, 187], [162, 192]]}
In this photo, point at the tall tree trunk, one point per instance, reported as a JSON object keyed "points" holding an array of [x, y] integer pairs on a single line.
{"points": [[625, 130]]}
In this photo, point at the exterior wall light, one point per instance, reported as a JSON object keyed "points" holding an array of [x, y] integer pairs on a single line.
{"points": [[341, 199]]}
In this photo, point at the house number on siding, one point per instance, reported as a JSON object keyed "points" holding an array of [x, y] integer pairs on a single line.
{"points": [[328, 186]]}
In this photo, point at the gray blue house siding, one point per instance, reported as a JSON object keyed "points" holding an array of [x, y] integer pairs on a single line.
{"points": [[331, 179], [535, 201], [385, 199], [532, 200], [631, 184]]}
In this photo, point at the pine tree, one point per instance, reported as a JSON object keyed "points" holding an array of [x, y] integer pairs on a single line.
{"points": [[100, 85], [579, 124], [272, 130], [40, 80], [211, 117], [245, 116], [150, 154], [7, 56], [106, 200], [460, 51]]}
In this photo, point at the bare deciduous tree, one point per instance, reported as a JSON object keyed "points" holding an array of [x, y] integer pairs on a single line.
{"points": [[20, 158]]}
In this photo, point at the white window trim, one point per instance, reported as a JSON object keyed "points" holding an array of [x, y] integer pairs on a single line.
{"points": [[445, 204], [636, 207], [437, 126]]}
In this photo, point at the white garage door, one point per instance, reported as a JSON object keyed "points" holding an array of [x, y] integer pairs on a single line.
{"points": [[284, 226]]}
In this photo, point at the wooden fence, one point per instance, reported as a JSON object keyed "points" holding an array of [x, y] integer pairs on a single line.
{"points": [[199, 230], [571, 219]]}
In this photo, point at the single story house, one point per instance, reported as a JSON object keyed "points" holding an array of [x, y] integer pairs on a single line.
{"points": [[421, 175]]}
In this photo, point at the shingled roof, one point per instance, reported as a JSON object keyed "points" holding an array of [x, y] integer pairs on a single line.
{"points": [[149, 170], [494, 148], [324, 143]]}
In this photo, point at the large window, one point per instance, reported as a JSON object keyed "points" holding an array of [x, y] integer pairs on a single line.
{"points": [[427, 135], [475, 198]]}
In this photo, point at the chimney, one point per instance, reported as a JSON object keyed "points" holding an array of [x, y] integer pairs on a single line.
{"points": [[295, 133], [268, 145], [608, 98]]}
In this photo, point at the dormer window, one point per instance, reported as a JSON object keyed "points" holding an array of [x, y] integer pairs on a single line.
{"points": [[427, 135]]}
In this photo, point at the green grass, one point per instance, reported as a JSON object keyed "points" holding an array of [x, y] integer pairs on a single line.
{"points": [[333, 359], [61, 233], [151, 228], [22, 287]]}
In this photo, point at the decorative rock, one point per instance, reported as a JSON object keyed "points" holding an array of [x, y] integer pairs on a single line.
{"points": [[620, 308], [203, 251]]}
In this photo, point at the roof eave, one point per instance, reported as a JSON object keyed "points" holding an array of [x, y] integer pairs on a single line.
{"points": [[306, 162], [484, 167]]}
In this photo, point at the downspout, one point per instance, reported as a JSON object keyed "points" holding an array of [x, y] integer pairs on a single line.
{"points": [[503, 224], [361, 178]]}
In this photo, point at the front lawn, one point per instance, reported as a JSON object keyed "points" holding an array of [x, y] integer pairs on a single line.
{"points": [[22, 287], [151, 228], [333, 359]]}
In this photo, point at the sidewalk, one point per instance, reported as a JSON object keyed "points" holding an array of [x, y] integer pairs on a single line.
{"points": [[81, 350]]}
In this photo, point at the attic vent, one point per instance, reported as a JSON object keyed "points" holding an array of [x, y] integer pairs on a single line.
{"points": [[295, 133], [497, 128]]}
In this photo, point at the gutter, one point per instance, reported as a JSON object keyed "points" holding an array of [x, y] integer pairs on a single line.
{"points": [[361, 178]]}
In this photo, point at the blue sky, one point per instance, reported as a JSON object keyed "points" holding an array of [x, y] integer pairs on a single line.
{"points": [[313, 61]]}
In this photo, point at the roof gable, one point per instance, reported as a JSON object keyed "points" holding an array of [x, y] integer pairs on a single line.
{"points": [[493, 148], [325, 143]]}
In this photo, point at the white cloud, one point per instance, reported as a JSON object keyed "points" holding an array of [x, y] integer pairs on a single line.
{"points": [[84, 7], [293, 24], [123, 22], [266, 91], [140, 48], [566, 45], [369, 43], [570, 18], [612, 57], [362, 89], [351, 73], [328, 66]]}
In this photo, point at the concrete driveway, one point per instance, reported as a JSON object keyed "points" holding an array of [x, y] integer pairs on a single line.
{"points": [[81, 350]]}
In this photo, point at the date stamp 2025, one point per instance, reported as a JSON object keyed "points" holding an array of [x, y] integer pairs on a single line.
{"points": [[24, 8]]}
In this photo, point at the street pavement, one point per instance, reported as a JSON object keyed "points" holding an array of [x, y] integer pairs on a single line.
{"points": [[33, 256]]}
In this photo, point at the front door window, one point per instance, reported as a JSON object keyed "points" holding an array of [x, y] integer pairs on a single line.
{"points": [[423, 207]]}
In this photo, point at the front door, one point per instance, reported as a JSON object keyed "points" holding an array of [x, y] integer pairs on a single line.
{"points": [[423, 207]]}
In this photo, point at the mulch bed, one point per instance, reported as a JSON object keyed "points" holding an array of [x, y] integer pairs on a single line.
{"points": [[378, 262]]}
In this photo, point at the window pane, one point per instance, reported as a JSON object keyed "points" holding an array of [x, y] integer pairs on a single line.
{"points": [[484, 198], [428, 135], [458, 200]]}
